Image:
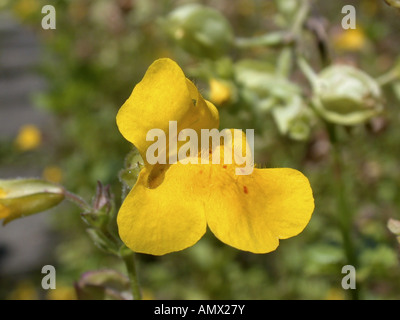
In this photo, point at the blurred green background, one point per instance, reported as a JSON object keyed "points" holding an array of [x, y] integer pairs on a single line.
{"points": [[67, 85]]}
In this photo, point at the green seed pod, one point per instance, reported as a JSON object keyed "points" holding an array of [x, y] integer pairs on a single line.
{"points": [[200, 30], [23, 197], [346, 95]]}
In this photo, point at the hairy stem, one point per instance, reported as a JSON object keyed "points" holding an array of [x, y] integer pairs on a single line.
{"points": [[79, 201], [345, 214], [130, 264]]}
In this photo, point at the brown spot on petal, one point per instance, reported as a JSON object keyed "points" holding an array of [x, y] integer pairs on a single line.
{"points": [[245, 190]]}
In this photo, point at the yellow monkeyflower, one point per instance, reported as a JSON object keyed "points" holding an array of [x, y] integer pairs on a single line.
{"points": [[61, 293], [220, 92], [53, 174], [171, 205], [335, 294], [350, 40], [26, 8], [24, 290], [29, 138]]}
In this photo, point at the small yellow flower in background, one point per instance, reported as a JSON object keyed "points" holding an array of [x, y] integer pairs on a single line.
{"points": [[29, 138], [24, 290], [26, 8], [53, 174], [335, 294], [61, 293], [220, 92], [370, 7], [171, 205], [147, 295], [350, 40]]}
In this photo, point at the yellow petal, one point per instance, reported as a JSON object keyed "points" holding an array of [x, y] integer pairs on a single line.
{"points": [[163, 95], [241, 151], [4, 211], [252, 212], [350, 40], [164, 212], [167, 211], [3, 193]]}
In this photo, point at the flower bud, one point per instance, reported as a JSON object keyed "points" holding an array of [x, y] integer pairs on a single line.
{"points": [[102, 209], [346, 95], [200, 30], [23, 197], [103, 285]]}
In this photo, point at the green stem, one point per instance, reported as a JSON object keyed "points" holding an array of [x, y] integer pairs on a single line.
{"points": [[308, 71], [273, 39], [300, 17], [284, 64], [129, 260], [80, 202], [344, 211], [388, 77]]}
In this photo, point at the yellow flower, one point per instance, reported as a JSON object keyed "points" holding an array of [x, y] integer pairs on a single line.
{"points": [[61, 293], [29, 138], [335, 294], [53, 174], [350, 40], [24, 290], [171, 205], [220, 92], [26, 8]]}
